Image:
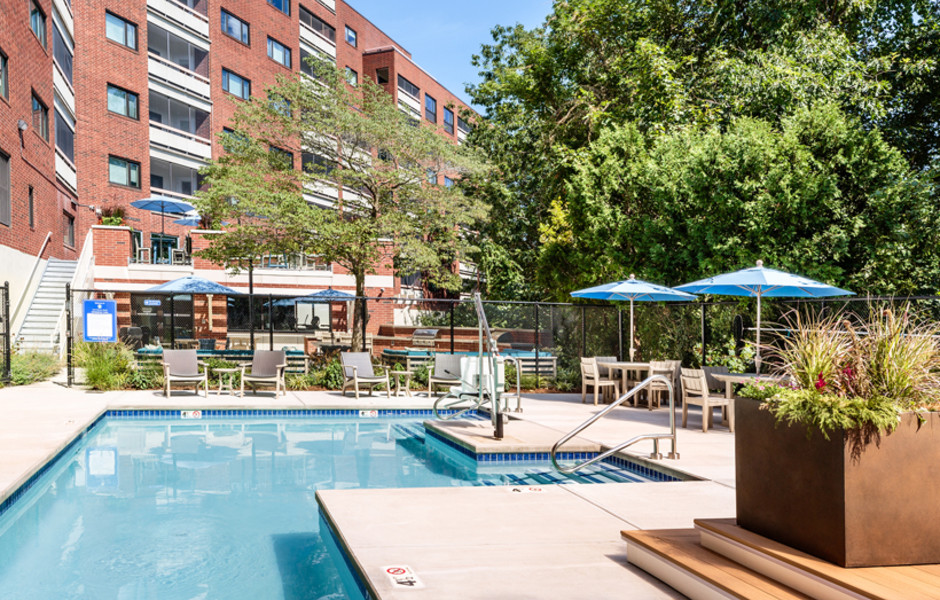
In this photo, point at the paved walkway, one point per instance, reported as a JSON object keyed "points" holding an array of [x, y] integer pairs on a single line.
{"points": [[557, 541]]}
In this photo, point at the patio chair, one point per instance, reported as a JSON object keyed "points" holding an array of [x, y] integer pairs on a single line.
{"points": [[446, 371], [591, 377], [357, 369], [206, 344], [657, 389], [182, 366], [695, 391], [603, 371], [267, 368]]}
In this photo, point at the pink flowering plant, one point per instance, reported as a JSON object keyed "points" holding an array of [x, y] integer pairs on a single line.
{"points": [[851, 373]]}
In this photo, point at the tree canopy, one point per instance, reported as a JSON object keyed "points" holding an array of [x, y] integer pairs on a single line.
{"points": [[679, 138], [392, 210]]}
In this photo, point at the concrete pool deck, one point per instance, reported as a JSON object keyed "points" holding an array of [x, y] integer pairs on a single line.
{"points": [[557, 541]]}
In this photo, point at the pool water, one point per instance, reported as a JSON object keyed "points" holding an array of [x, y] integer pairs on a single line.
{"points": [[169, 509]]}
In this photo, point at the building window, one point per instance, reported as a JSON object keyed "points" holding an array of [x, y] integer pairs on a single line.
{"points": [[122, 102], [381, 76], [31, 206], [316, 165], [317, 24], [64, 133], [351, 36], [234, 27], [408, 87], [281, 5], [278, 52], [280, 158], [4, 189], [352, 78], [40, 118], [123, 172], [449, 121], [236, 84], [463, 125], [121, 31], [37, 22], [432, 176], [68, 226], [162, 247], [61, 52], [4, 77], [167, 176], [448, 182], [279, 104], [308, 62], [430, 108]]}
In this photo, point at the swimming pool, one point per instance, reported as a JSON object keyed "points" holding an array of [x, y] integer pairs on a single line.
{"points": [[221, 507]]}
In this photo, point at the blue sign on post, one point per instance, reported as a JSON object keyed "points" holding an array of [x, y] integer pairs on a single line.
{"points": [[100, 320]]}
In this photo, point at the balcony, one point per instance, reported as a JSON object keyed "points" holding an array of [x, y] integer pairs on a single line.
{"points": [[409, 103], [180, 141], [181, 15], [330, 4], [167, 72], [317, 41]]}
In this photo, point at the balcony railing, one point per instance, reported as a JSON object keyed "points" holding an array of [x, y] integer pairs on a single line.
{"points": [[180, 13], [180, 141], [163, 70]]}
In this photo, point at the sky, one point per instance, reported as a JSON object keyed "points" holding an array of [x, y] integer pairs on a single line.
{"points": [[442, 36]]}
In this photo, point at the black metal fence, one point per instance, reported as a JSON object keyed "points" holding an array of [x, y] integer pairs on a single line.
{"points": [[5, 355], [551, 337]]}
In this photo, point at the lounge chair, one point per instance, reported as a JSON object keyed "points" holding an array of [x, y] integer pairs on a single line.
{"points": [[267, 368], [446, 371], [182, 366], [357, 369], [695, 391], [590, 376]]}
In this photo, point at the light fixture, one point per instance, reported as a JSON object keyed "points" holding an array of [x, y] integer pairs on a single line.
{"points": [[22, 125]]}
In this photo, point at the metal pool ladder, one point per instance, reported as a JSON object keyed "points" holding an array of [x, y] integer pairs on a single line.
{"points": [[648, 436]]}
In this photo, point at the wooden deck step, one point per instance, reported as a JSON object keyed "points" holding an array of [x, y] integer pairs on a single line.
{"points": [[677, 557], [816, 576]]}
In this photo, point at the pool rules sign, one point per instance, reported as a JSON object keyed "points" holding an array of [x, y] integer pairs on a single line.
{"points": [[100, 320]]}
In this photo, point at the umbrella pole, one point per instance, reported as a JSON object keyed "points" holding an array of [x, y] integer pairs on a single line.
{"points": [[757, 358], [631, 330]]}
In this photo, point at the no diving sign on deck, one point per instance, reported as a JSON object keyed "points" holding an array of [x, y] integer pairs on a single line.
{"points": [[402, 576]]}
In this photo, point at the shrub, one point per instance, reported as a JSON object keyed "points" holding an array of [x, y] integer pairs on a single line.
{"points": [[857, 374], [107, 366], [30, 367], [149, 377]]}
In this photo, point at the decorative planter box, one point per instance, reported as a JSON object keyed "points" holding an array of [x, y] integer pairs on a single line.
{"points": [[856, 505]]}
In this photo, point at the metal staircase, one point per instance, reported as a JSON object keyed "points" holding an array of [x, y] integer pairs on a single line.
{"points": [[42, 318]]}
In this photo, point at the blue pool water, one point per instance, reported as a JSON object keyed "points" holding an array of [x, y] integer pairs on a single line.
{"points": [[220, 508]]}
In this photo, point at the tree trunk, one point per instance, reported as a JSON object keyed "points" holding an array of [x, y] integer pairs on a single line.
{"points": [[360, 313]]}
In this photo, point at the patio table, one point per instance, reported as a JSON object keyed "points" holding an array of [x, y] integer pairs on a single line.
{"points": [[398, 376], [730, 379], [625, 368]]}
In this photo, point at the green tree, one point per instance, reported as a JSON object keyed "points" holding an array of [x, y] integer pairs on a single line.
{"points": [[357, 140]]}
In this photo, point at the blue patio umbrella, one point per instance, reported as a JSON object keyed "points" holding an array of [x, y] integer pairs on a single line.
{"points": [[193, 285], [327, 295], [633, 290], [189, 221], [760, 282], [164, 206]]}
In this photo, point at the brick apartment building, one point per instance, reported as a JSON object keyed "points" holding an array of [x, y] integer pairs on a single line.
{"points": [[104, 102]]}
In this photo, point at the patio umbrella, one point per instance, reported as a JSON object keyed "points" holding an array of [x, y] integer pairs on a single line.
{"points": [[327, 295], [633, 290], [760, 282], [193, 285], [189, 221], [164, 206]]}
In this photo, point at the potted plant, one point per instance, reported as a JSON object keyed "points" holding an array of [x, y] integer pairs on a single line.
{"points": [[841, 463]]}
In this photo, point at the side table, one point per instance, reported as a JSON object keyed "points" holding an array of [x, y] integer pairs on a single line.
{"points": [[398, 376], [226, 378]]}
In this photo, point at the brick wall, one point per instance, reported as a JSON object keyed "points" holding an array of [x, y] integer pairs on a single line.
{"points": [[32, 159]]}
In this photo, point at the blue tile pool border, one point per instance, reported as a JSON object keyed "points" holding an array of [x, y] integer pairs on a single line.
{"points": [[290, 413], [508, 458]]}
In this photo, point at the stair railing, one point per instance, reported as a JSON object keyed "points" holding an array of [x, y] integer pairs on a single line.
{"points": [[29, 280], [81, 280]]}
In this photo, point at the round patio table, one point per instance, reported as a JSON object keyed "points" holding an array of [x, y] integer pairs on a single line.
{"points": [[398, 376], [226, 378]]}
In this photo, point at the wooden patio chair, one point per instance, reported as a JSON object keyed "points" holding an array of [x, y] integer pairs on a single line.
{"points": [[182, 366], [358, 369], [695, 391], [267, 368], [590, 376]]}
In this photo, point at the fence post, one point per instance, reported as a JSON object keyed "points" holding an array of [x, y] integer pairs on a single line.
{"points": [[452, 306], [704, 334], [251, 307], [69, 367], [583, 331], [7, 374], [538, 338], [270, 322], [172, 322]]}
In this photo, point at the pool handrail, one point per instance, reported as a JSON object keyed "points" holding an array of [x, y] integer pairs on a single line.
{"points": [[639, 438]]}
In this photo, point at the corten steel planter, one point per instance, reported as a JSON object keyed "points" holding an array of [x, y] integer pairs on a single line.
{"points": [[856, 505]]}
